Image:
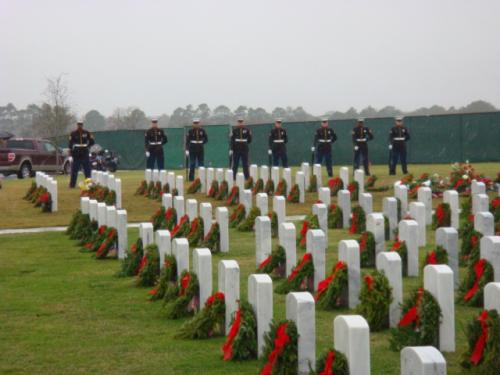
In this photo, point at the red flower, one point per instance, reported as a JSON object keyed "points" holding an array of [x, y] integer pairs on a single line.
{"points": [[432, 258], [185, 283], [369, 282], [396, 246], [362, 242], [495, 203]]}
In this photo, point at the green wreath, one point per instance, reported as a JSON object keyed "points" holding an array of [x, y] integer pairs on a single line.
{"points": [[313, 184], [194, 187], [442, 216], [438, 256], [269, 188], [274, 264], [274, 224], [294, 196], [471, 289], [186, 300], [301, 277], [241, 342], [258, 187], [223, 191], [280, 353], [334, 217], [310, 222], [332, 362], [469, 249], [375, 299], [248, 223], [333, 291], [400, 248], [248, 183], [358, 220], [212, 239], [109, 243], [195, 234], [168, 276], [237, 216], [214, 189], [149, 268], [353, 188], [130, 265], [367, 249], [281, 188]]}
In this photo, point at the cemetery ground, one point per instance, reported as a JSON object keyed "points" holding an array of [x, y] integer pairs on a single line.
{"points": [[62, 311]]}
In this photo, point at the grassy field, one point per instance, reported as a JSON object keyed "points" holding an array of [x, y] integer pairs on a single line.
{"points": [[64, 312]]}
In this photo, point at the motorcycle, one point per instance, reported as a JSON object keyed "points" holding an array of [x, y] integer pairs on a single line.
{"points": [[103, 159]]}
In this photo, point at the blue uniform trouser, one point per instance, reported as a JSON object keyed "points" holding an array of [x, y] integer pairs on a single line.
{"points": [[327, 157], [155, 157], [196, 159], [398, 153], [361, 153], [79, 161], [280, 156], [244, 161]]}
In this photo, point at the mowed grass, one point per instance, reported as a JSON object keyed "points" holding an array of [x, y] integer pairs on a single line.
{"points": [[64, 312]]}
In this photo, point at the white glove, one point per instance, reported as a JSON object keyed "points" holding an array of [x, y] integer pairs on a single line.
{"points": [[147, 154], [269, 152], [187, 153], [230, 152], [390, 147], [313, 149], [356, 148], [70, 159]]}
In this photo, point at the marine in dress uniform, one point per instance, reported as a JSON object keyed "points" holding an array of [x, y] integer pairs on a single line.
{"points": [[323, 140], [277, 145], [241, 137], [154, 139], [360, 137], [80, 141], [398, 136], [195, 140]]}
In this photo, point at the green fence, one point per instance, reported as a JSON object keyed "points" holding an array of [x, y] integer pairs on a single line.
{"points": [[434, 139]]}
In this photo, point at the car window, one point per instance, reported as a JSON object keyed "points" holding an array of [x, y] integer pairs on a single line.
{"points": [[21, 144], [49, 147]]}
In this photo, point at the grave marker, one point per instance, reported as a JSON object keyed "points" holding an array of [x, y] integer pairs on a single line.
{"points": [[261, 202], [408, 232], [262, 238], [422, 360], [316, 245], [260, 297], [279, 206], [451, 197], [344, 201], [390, 208], [221, 216], [287, 239], [229, 284], [206, 215], [121, 229], [484, 223], [163, 241], [417, 212], [424, 195], [359, 177], [180, 250], [375, 225], [490, 251], [351, 336], [179, 207], [349, 254], [202, 266], [389, 262], [448, 239]]}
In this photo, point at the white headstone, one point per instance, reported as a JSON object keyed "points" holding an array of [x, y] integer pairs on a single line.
{"points": [[179, 207], [359, 177], [93, 209], [375, 224], [287, 239], [52, 189], [349, 254], [202, 175], [84, 205], [321, 211], [366, 202], [148, 175], [260, 297], [301, 183], [344, 201], [254, 172], [425, 196], [246, 200], [163, 241], [438, 280], [417, 212], [401, 192], [351, 337], [390, 208], [262, 238], [492, 296], [180, 250], [192, 209], [279, 206], [480, 203], [171, 180], [219, 175], [264, 173], [490, 251], [318, 174], [179, 185], [305, 167], [422, 360], [202, 266], [229, 179], [121, 229], [221, 216], [261, 201], [300, 308], [206, 215], [101, 214], [408, 232], [210, 178], [448, 239], [275, 176], [484, 223], [156, 175], [163, 177], [146, 234], [240, 181], [324, 195], [316, 245], [477, 187], [389, 262], [229, 284], [166, 200], [287, 176], [111, 216], [344, 176], [118, 192]]}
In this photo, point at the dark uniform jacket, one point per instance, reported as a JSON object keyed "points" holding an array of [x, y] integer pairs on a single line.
{"points": [[79, 143], [324, 138], [398, 136], [361, 135], [277, 140], [195, 139], [154, 139], [241, 137]]}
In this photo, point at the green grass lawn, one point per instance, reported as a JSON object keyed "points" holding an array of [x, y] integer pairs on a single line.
{"points": [[62, 311]]}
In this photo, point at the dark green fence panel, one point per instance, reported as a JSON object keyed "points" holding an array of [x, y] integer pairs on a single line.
{"points": [[129, 144], [481, 137], [217, 148], [260, 143], [174, 149]]}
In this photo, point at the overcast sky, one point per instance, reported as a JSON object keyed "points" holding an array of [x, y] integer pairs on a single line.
{"points": [[323, 55]]}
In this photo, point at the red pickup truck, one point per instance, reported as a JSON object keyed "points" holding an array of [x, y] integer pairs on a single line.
{"points": [[25, 156]]}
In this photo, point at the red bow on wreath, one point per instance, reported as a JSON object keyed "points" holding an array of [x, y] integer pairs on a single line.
{"points": [[213, 298], [227, 348], [354, 227], [432, 258], [185, 283], [412, 314], [323, 285], [303, 232], [330, 358], [369, 282], [265, 262], [279, 343], [477, 353], [479, 271], [306, 258]]}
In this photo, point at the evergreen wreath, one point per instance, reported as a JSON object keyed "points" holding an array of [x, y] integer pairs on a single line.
{"points": [[483, 336], [234, 196], [107, 247], [95, 240], [313, 183], [212, 239], [310, 222], [248, 223], [165, 188], [419, 325], [387, 229], [80, 226], [168, 277], [175, 192], [370, 185], [195, 234], [182, 228], [469, 249], [274, 223], [281, 188], [130, 265], [209, 322], [301, 277], [471, 289], [223, 191], [334, 217], [358, 220], [332, 362], [248, 183], [280, 351], [335, 184], [375, 299], [442, 216], [87, 231], [237, 216], [402, 250], [148, 270], [150, 189], [333, 291], [110, 198], [353, 188], [258, 187], [438, 256], [294, 196], [269, 188], [44, 201], [142, 189], [195, 186], [31, 191], [274, 264], [214, 189], [155, 193], [398, 204], [495, 209], [158, 218], [241, 341], [186, 300], [367, 249], [466, 209]]}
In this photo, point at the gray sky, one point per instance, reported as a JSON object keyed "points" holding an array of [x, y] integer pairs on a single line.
{"points": [[323, 55]]}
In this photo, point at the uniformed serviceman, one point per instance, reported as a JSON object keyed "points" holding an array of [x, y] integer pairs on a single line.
{"points": [[241, 137], [80, 141], [154, 139], [277, 144], [360, 137], [195, 139], [398, 136], [323, 140]]}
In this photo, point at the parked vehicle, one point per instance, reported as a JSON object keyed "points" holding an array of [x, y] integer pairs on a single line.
{"points": [[25, 156], [103, 159]]}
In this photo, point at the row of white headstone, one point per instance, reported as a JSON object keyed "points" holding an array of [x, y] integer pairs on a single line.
{"points": [[109, 216], [164, 177], [109, 181], [44, 180]]}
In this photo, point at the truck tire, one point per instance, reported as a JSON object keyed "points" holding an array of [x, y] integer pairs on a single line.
{"points": [[25, 171]]}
